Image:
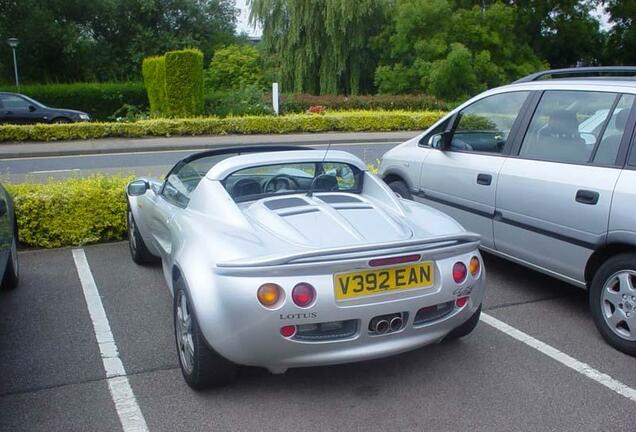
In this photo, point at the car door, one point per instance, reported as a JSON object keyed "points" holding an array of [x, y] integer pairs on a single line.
{"points": [[460, 180], [16, 109], [173, 197], [6, 229], [555, 191]]}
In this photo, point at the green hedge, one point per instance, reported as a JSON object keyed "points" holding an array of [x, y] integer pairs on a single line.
{"points": [[153, 70], [296, 103], [70, 212], [184, 82], [346, 121], [100, 100]]}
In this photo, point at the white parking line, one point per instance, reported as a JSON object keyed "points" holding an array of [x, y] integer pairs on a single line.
{"points": [[561, 357], [130, 415], [54, 171]]}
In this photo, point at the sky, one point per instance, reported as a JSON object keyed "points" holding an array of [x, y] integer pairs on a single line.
{"points": [[243, 20]]}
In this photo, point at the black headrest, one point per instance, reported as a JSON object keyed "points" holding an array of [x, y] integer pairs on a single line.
{"points": [[325, 182], [245, 187], [621, 118], [562, 123]]}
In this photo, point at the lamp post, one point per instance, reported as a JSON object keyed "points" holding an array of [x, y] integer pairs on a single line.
{"points": [[13, 43]]}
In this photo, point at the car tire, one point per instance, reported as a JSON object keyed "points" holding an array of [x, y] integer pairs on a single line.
{"points": [[11, 276], [401, 189], [201, 366], [138, 249], [466, 328], [61, 120], [612, 300]]}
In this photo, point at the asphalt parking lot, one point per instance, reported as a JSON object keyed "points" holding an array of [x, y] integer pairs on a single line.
{"points": [[52, 377]]}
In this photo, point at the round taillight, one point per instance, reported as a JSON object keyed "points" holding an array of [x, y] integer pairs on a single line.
{"points": [[474, 266], [288, 331], [459, 272], [303, 294], [461, 302], [269, 294]]}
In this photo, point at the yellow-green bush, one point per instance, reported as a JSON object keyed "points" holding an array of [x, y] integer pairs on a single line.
{"points": [[153, 69], [343, 121], [184, 82], [70, 212]]}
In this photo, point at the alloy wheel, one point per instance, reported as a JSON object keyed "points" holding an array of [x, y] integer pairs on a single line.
{"points": [[14, 257], [183, 327], [131, 232], [618, 304]]}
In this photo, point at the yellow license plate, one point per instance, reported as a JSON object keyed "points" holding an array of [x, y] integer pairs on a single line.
{"points": [[369, 282]]}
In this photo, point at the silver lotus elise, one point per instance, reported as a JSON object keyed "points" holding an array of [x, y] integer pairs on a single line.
{"points": [[285, 257]]}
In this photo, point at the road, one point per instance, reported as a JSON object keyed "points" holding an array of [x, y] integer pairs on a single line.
{"points": [[53, 378], [148, 163]]}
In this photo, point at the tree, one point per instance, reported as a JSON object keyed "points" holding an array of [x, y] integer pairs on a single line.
{"points": [[235, 67], [71, 40], [454, 77], [322, 46], [452, 53], [563, 32], [621, 44]]}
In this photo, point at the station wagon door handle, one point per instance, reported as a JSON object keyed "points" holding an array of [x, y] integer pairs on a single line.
{"points": [[587, 196], [484, 179]]}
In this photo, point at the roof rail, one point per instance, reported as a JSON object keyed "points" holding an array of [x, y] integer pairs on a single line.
{"points": [[580, 71]]}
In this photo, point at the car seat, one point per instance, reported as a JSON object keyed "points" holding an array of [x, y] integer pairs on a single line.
{"points": [[560, 139], [325, 182], [608, 148]]}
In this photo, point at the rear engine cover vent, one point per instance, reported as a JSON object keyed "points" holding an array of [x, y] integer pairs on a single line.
{"points": [[283, 203], [337, 199]]}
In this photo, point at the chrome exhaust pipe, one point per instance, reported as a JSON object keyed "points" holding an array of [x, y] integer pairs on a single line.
{"points": [[381, 327], [396, 324]]}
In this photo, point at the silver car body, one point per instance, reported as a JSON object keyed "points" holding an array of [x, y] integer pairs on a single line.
{"points": [[560, 218], [225, 250]]}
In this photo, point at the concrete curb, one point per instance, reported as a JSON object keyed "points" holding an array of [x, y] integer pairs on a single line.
{"points": [[137, 145]]}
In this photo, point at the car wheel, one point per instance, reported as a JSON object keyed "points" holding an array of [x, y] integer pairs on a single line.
{"points": [[138, 250], [11, 275], [201, 366], [466, 328], [401, 189], [60, 120], [613, 302]]}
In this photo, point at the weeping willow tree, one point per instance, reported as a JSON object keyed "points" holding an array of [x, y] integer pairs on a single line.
{"points": [[321, 46]]}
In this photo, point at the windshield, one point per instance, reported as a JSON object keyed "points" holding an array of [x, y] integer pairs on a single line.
{"points": [[267, 180]]}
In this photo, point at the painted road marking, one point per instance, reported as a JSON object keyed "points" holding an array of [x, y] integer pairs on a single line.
{"points": [[130, 415], [566, 360], [54, 171]]}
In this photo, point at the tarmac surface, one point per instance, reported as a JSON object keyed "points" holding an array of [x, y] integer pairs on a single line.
{"points": [[53, 376], [153, 157]]}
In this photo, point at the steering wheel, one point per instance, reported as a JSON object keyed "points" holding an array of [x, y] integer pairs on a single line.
{"points": [[272, 184]]}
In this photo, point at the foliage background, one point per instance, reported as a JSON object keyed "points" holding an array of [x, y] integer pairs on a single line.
{"points": [[184, 82], [153, 70], [106, 40], [70, 212], [100, 100]]}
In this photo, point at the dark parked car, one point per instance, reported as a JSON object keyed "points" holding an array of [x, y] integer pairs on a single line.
{"points": [[8, 242], [20, 109]]}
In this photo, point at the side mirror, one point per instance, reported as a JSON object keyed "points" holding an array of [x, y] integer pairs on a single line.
{"points": [[137, 187], [32, 108], [435, 141], [440, 141]]}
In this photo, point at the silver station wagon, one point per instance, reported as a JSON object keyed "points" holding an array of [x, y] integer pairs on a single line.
{"points": [[545, 170]]}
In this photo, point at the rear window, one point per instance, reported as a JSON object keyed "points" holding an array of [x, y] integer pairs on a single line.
{"points": [[278, 179]]}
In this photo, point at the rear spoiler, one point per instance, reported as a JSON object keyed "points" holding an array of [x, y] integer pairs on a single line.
{"points": [[463, 241]]}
